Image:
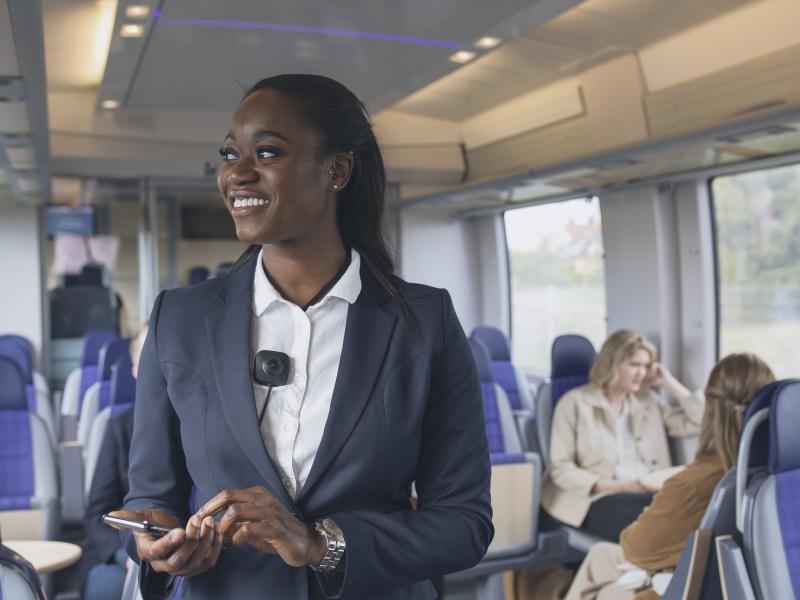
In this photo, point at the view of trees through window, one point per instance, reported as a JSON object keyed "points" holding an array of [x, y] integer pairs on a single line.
{"points": [[557, 277], [757, 219]]}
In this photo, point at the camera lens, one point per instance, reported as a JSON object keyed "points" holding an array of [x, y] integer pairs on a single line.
{"points": [[273, 365]]}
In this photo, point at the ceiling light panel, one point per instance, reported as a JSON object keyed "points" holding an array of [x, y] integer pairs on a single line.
{"points": [[131, 30], [110, 104], [462, 57], [137, 11], [488, 42], [29, 185], [21, 158], [14, 118]]}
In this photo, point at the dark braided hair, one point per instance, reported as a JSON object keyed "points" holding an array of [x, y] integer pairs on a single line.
{"points": [[342, 124]]}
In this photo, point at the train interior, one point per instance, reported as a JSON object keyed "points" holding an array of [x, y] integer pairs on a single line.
{"points": [[564, 168]]}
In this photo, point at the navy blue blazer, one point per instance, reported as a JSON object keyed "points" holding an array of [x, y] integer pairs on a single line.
{"points": [[406, 407]]}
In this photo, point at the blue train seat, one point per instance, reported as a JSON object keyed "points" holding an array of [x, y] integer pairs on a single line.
{"points": [[571, 360], [516, 482], [28, 485], [82, 378], [18, 579], [39, 382], [122, 392], [77, 310], [511, 379], [38, 401], [771, 507], [197, 275], [98, 396]]}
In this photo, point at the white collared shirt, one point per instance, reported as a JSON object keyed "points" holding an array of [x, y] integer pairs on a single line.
{"points": [[297, 412], [629, 465]]}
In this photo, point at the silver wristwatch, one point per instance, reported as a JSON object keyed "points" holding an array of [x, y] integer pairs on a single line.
{"points": [[334, 544]]}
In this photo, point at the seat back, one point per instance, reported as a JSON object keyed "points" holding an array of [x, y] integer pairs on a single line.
{"points": [[508, 376], [18, 579], [27, 462], [82, 378], [98, 396], [772, 502], [75, 311], [198, 275], [571, 360], [121, 393], [719, 519], [500, 427]]}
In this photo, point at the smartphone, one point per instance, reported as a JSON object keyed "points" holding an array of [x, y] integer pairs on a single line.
{"points": [[142, 526]]}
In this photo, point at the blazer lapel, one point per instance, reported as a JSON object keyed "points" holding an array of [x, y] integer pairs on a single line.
{"points": [[366, 338], [229, 336]]}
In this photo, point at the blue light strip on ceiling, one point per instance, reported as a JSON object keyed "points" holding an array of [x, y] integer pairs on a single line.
{"points": [[386, 37]]}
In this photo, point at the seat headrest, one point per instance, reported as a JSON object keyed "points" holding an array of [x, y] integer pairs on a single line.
{"points": [[494, 340], [760, 443], [784, 415], [12, 386], [93, 342], [482, 361], [92, 274], [109, 354], [572, 355], [12, 351], [22, 342], [223, 268], [123, 385], [198, 275]]}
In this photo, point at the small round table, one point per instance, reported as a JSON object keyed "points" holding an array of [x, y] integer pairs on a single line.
{"points": [[46, 556], [653, 482]]}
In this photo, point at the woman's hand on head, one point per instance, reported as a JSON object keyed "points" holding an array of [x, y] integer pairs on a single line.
{"points": [[182, 552], [254, 516], [658, 375]]}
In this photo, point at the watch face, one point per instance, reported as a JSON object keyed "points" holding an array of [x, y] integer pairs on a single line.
{"points": [[332, 529]]}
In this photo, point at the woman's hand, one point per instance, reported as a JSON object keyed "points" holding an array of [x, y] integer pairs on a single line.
{"points": [[255, 517], [660, 376], [616, 486], [182, 552]]}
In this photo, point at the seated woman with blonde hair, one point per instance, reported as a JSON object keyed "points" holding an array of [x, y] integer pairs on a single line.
{"points": [[655, 540], [609, 433]]}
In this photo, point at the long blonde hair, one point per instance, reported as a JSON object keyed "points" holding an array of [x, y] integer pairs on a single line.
{"points": [[620, 345], [733, 382]]}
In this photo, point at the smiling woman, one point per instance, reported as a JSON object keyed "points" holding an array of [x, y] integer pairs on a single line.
{"points": [[316, 497]]}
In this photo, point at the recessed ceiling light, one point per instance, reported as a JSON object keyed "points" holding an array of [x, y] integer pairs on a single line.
{"points": [[462, 56], [131, 30], [28, 185], [110, 104], [487, 42], [21, 158], [137, 11]]}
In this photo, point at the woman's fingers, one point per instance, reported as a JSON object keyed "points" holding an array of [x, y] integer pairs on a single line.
{"points": [[199, 559], [255, 535], [245, 511], [225, 498], [153, 550]]}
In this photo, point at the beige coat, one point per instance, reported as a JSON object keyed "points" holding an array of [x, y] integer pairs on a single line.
{"points": [[583, 443]]}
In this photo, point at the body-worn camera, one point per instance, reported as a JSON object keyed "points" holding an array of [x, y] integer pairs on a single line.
{"points": [[271, 368]]}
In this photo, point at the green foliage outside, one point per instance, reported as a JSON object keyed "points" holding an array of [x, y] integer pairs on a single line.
{"points": [[758, 260]]}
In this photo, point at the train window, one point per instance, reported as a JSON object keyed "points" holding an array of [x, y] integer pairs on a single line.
{"points": [[557, 277], [757, 225]]}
